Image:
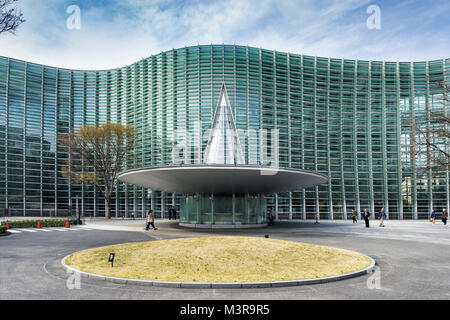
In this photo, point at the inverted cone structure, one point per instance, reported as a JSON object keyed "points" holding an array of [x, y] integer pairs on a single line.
{"points": [[223, 145]]}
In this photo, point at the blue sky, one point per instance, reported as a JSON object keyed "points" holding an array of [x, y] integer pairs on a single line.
{"points": [[115, 33]]}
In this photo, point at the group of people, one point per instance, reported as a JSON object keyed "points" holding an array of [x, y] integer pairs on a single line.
{"points": [[151, 217], [366, 216], [444, 216], [271, 217], [382, 215]]}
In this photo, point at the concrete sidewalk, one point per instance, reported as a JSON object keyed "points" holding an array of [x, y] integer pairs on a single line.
{"points": [[420, 230]]}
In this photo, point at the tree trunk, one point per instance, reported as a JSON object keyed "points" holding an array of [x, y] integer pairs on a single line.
{"points": [[107, 209]]}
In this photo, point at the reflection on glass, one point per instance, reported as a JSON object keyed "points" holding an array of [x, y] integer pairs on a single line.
{"points": [[239, 209]]}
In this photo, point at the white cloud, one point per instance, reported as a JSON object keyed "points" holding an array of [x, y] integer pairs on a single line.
{"points": [[134, 29]]}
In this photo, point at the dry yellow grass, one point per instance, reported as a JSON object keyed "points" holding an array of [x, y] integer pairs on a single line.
{"points": [[219, 259]]}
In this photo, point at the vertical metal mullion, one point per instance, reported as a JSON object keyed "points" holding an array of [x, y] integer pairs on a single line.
{"points": [[70, 128], [163, 126], [152, 200], [56, 141], [143, 190], [115, 91], [127, 209], [427, 110], [119, 120], [261, 122], [384, 140], [330, 194], [289, 107], [413, 160], [194, 198], [212, 209], [198, 126], [25, 141], [248, 142], [234, 208], [41, 207], [341, 155], [7, 133], [186, 121], [234, 114], [276, 206], [212, 101], [315, 137], [355, 143], [126, 111], [133, 99], [399, 159], [162, 204], [446, 105], [274, 64], [174, 104], [302, 150], [95, 124], [369, 142], [83, 117]]}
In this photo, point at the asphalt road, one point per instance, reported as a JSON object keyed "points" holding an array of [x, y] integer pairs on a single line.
{"points": [[413, 260]]}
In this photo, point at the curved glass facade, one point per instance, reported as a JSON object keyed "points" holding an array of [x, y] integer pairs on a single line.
{"points": [[349, 119]]}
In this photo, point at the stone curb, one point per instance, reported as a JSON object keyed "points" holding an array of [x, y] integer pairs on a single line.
{"points": [[218, 285]]}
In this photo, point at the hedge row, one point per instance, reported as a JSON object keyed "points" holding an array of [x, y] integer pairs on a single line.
{"points": [[44, 223], [3, 229]]}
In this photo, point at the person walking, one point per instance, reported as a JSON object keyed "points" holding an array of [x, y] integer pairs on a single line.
{"points": [[444, 216], [170, 212], [354, 216], [433, 216], [382, 216], [366, 216], [174, 213], [150, 220], [270, 217]]}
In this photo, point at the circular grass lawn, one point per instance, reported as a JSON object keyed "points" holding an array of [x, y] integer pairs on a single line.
{"points": [[219, 259]]}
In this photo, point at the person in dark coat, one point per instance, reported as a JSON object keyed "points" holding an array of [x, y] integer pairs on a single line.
{"points": [[366, 216], [444, 216], [270, 217], [170, 212], [174, 213]]}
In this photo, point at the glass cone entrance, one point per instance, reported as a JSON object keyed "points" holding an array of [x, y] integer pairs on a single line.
{"points": [[223, 145], [223, 148], [223, 192]]}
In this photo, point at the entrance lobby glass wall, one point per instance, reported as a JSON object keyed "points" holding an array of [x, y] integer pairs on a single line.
{"points": [[235, 209], [351, 120]]}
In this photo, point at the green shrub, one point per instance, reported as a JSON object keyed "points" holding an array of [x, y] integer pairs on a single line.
{"points": [[44, 223], [3, 229]]}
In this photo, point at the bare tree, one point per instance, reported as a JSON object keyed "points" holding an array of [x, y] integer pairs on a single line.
{"points": [[97, 155], [10, 17], [432, 134]]}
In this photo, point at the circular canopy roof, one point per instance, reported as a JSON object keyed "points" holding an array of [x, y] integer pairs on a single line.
{"points": [[222, 179]]}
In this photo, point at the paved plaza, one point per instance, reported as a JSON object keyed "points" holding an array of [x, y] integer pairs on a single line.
{"points": [[412, 256]]}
